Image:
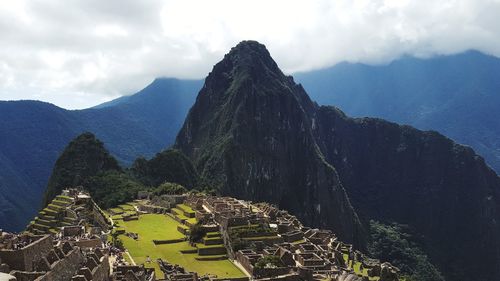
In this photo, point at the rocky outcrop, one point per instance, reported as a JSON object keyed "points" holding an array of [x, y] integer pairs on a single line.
{"points": [[250, 133]]}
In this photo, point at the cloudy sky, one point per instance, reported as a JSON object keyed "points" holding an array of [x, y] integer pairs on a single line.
{"points": [[79, 53]]}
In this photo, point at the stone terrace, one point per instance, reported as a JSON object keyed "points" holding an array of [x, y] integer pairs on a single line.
{"points": [[256, 233]]}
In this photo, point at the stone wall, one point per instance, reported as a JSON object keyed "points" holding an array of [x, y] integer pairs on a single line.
{"points": [[101, 272], [270, 272], [231, 279], [209, 251], [64, 269], [26, 258], [88, 243], [99, 217], [26, 276]]}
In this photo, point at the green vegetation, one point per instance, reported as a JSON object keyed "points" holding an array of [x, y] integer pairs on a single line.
{"points": [[196, 233], [160, 227], [240, 244], [269, 261], [167, 166], [85, 162], [244, 230], [395, 243], [83, 158], [170, 188], [113, 188]]}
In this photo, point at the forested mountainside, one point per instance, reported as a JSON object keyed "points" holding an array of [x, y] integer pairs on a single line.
{"points": [[456, 95], [33, 134], [255, 134], [86, 163]]}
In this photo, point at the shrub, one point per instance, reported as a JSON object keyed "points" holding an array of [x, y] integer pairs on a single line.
{"points": [[269, 261], [196, 232], [170, 188]]}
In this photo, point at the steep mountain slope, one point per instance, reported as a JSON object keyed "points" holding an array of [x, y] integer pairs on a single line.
{"points": [[144, 123], [250, 133], [84, 157], [443, 190], [167, 166], [86, 163], [257, 135], [457, 95], [33, 134]]}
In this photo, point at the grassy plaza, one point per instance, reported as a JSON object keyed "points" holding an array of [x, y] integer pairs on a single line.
{"points": [[151, 227]]}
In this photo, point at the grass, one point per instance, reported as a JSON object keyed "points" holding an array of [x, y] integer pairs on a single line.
{"points": [[127, 207], [117, 211], [185, 208], [357, 269], [161, 227], [213, 234], [189, 220]]}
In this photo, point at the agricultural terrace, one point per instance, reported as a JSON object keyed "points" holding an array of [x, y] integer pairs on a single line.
{"points": [[151, 227]]}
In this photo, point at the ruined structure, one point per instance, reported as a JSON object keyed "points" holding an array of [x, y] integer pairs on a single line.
{"points": [[268, 243], [263, 241], [72, 207], [43, 258]]}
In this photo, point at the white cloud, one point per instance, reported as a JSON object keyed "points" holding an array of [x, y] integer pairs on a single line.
{"points": [[78, 53]]}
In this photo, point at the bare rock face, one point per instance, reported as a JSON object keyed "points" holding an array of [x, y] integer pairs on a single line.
{"points": [[388, 272], [250, 133], [256, 135]]}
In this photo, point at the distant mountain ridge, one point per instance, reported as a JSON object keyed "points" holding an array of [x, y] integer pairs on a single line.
{"points": [[33, 134], [457, 95]]}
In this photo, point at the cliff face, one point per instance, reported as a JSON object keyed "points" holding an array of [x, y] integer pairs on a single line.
{"points": [[256, 135], [250, 133], [441, 189]]}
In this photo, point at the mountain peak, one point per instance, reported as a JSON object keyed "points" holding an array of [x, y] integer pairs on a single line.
{"points": [[249, 49], [250, 135], [248, 59]]}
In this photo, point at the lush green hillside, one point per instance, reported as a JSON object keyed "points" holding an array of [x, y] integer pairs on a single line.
{"points": [[87, 164], [33, 134], [457, 95], [83, 158], [167, 166]]}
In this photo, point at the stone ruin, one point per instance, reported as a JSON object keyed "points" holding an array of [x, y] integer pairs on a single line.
{"points": [[132, 273], [40, 258], [303, 253]]}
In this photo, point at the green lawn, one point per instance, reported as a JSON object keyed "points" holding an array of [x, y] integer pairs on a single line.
{"points": [[161, 227], [117, 211], [185, 207], [357, 269], [127, 207]]}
